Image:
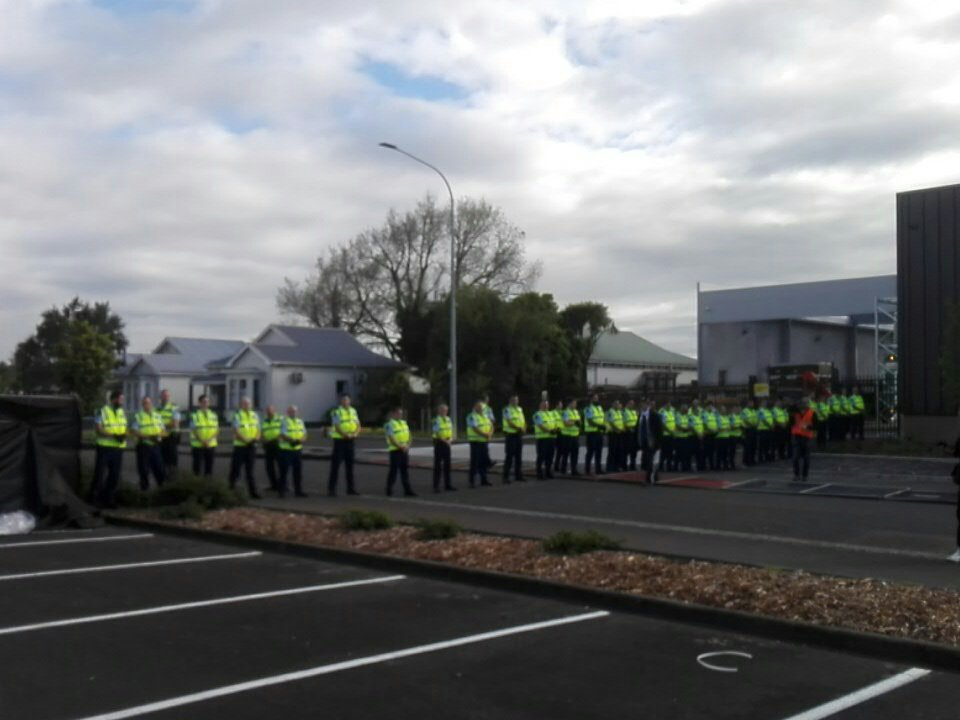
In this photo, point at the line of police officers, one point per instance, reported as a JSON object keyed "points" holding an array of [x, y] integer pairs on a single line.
{"points": [[156, 434]]}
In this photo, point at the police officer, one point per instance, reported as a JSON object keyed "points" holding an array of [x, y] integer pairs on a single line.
{"points": [[492, 418], [148, 428], [668, 421], [293, 433], [682, 436], [723, 438], [110, 424], [735, 436], [615, 428], [344, 428], [631, 443], [514, 426], [594, 426], [570, 437], [543, 431], [442, 440], [397, 433], [479, 432], [764, 432], [711, 427], [559, 441], [822, 410], [858, 410], [270, 437], [750, 423], [204, 428], [246, 432], [695, 423], [171, 437]]}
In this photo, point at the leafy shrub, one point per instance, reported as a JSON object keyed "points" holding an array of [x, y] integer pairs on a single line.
{"points": [[365, 520], [189, 509], [131, 496], [437, 529], [576, 542], [208, 494]]}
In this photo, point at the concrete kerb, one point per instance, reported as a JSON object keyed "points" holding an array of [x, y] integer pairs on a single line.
{"points": [[898, 650]]}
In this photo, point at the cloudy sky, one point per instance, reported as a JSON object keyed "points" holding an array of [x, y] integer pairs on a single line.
{"points": [[180, 157]]}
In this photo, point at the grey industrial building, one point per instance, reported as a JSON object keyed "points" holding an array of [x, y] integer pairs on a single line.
{"points": [[742, 332], [928, 271]]}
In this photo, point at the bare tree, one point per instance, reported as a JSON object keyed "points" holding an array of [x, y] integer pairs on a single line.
{"points": [[381, 283]]}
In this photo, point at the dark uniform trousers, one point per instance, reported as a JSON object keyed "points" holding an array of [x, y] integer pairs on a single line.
{"points": [[109, 462], [271, 459], [821, 435], [750, 446], [560, 455], [479, 462], [764, 445], [630, 449], [342, 454], [544, 468], [710, 451], [441, 464], [666, 453], [203, 460], [290, 460], [571, 453], [150, 460], [513, 450], [614, 451], [168, 449], [243, 457], [594, 452], [696, 444], [399, 463], [801, 456]]}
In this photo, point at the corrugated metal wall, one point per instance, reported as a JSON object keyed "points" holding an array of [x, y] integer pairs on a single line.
{"points": [[928, 277]]}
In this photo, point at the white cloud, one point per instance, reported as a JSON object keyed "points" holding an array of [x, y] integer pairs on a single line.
{"points": [[180, 164]]}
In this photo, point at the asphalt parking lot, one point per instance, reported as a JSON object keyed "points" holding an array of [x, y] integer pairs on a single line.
{"points": [[115, 623]]}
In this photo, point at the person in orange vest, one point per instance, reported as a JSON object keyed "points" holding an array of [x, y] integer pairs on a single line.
{"points": [[802, 431]]}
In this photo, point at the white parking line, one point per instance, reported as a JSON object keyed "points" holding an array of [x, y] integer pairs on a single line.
{"points": [[855, 698], [681, 529], [108, 538], [814, 488], [192, 605], [339, 666], [128, 566]]}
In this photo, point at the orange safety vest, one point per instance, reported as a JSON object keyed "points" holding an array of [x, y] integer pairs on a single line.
{"points": [[803, 424]]}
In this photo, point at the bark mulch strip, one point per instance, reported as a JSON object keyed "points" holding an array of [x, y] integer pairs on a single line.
{"points": [[865, 605]]}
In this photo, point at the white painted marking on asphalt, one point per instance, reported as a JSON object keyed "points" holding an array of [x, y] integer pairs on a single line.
{"points": [[340, 666], [895, 493], [127, 566], [108, 538], [743, 482], [192, 605], [682, 529], [814, 488], [702, 659], [64, 531], [860, 696]]}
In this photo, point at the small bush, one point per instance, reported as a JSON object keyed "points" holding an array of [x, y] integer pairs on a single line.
{"points": [[575, 542], [131, 496], [187, 510], [438, 529], [365, 520], [208, 494]]}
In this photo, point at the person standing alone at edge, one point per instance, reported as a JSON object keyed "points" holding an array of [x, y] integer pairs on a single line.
{"points": [[514, 426], [171, 438], [204, 428], [397, 433], [479, 432], [293, 433], [594, 426], [111, 428], [344, 428], [649, 433], [246, 432], [802, 432], [442, 438], [148, 428], [270, 436]]}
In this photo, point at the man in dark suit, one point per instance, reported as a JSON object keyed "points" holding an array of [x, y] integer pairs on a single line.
{"points": [[649, 436]]}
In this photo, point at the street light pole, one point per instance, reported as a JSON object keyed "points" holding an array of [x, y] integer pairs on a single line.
{"points": [[454, 413]]}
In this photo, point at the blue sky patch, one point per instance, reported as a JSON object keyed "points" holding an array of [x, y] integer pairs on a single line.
{"points": [[139, 8], [402, 83]]}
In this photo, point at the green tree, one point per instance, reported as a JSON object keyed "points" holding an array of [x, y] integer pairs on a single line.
{"points": [[85, 359], [6, 377], [382, 284], [38, 360], [584, 323]]}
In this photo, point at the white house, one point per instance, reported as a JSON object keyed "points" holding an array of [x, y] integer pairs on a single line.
{"points": [[624, 359], [284, 365]]}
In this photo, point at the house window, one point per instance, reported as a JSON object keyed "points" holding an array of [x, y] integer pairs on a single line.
{"points": [[722, 379], [341, 387], [256, 394]]}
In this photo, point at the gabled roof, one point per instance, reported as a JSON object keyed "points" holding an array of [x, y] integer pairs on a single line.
{"points": [[627, 348], [201, 350], [332, 347]]}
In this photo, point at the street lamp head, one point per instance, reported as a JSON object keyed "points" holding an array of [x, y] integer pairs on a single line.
{"points": [[389, 146]]}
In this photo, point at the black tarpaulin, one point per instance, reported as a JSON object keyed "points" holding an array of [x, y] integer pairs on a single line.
{"points": [[40, 459]]}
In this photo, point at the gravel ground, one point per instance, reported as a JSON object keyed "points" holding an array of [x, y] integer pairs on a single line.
{"points": [[866, 605]]}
